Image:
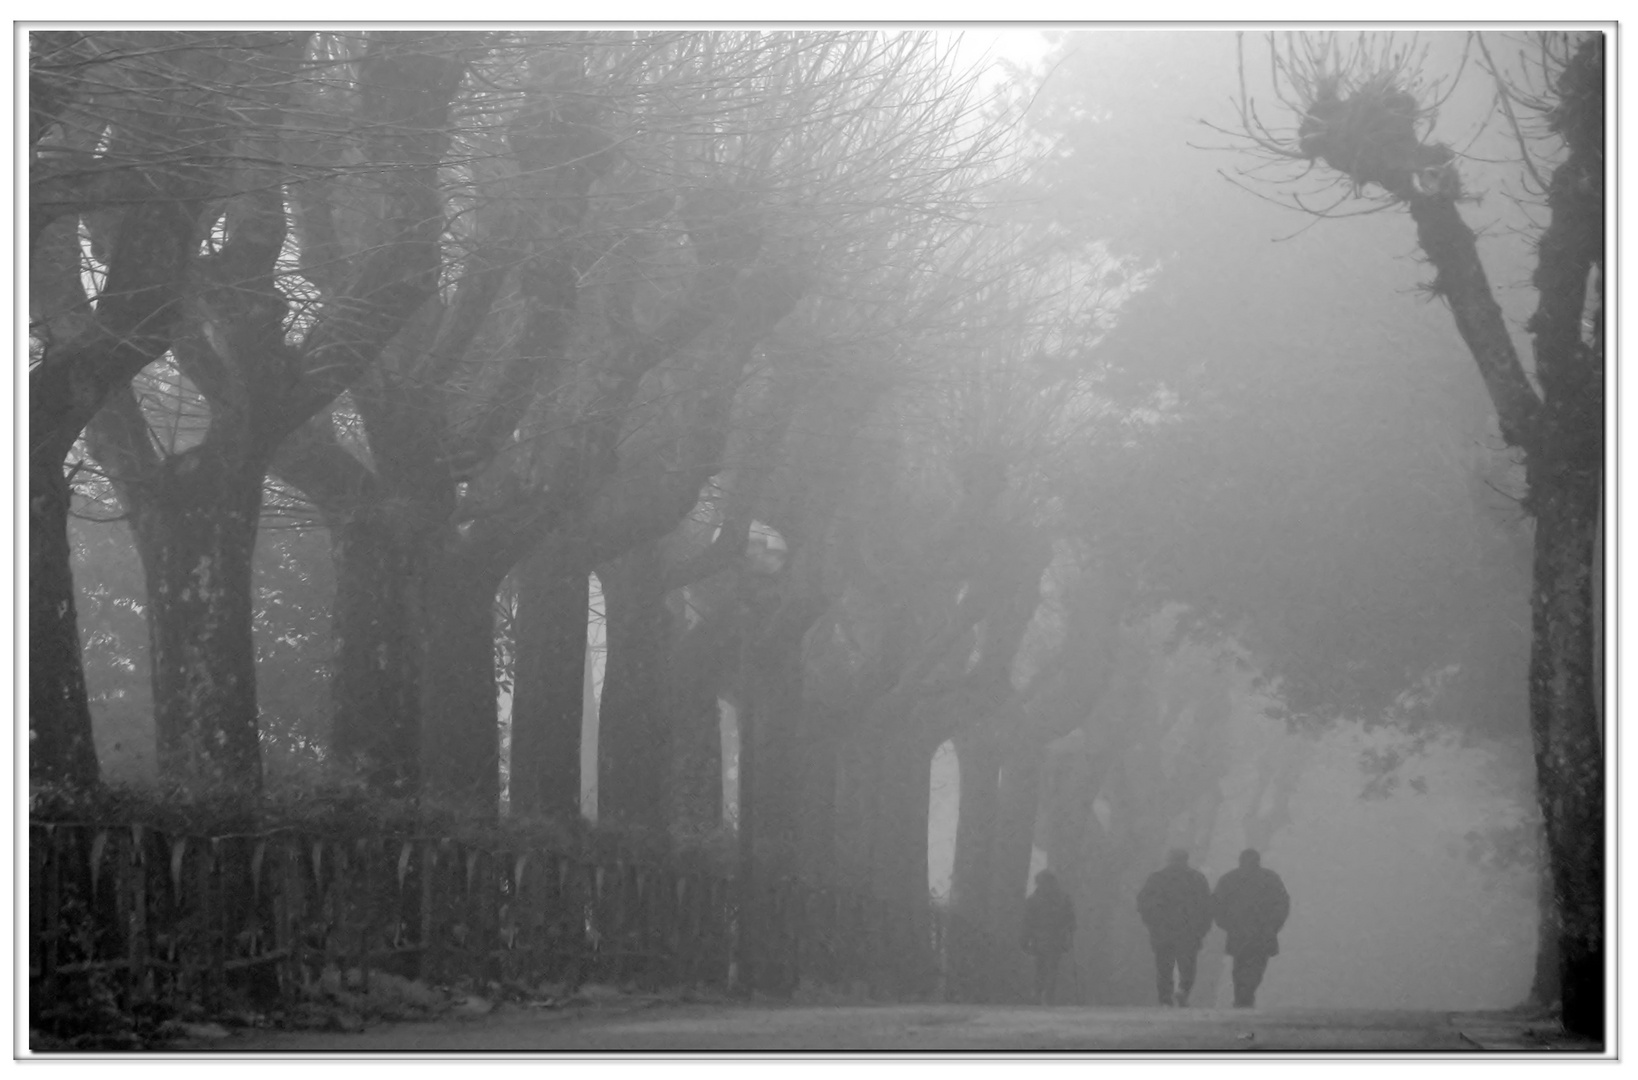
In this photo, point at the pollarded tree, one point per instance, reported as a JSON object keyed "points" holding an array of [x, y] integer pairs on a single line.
{"points": [[856, 156], [427, 522], [945, 549], [260, 347], [1364, 115], [118, 129], [386, 471]]}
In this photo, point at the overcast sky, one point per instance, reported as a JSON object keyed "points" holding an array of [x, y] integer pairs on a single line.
{"points": [[981, 44]]}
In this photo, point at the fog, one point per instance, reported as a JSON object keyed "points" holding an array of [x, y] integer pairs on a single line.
{"points": [[1394, 905], [1025, 410]]}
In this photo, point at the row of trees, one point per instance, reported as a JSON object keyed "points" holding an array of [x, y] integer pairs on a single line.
{"points": [[875, 413]]}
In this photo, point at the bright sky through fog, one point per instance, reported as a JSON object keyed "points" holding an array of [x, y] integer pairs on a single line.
{"points": [[983, 45]]}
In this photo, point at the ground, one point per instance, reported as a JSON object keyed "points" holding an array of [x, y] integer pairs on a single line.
{"points": [[660, 1026]]}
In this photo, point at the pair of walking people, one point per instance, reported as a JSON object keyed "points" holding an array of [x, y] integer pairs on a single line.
{"points": [[1250, 904]]}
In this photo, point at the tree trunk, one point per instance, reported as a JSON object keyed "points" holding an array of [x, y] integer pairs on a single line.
{"points": [[1565, 470], [899, 853], [59, 716], [633, 743], [899, 843], [1544, 990], [554, 596], [747, 954], [460, 759], [1569, 751], [973, 878], [772, 684], [978, 758], [1562, 433], [376, 692], [696, 762], [195, 527], [697, 669], [816, 823], [1019, 802], [859, 777]]}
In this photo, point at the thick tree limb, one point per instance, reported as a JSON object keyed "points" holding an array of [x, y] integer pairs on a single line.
{"points": [[1451, 247], [313, 462]]}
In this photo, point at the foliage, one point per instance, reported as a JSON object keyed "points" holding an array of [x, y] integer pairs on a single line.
{"points": [[1318, 493]]}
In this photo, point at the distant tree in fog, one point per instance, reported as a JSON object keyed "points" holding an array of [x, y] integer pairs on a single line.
{"points": [[1339, 528]]}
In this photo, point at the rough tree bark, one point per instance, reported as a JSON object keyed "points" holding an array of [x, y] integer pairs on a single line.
{"points": [[1569, 750], [1544, 982], [59, 717], [196, 534], [377, 547], [1564, 466], [375, 686]]}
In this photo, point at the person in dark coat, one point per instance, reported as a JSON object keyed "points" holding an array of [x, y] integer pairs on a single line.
{"points": [[1175, 904], [1251, 905], [1049, 925]]}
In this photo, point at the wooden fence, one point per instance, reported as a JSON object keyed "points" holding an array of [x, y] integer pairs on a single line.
{"points": [[171, 916]]}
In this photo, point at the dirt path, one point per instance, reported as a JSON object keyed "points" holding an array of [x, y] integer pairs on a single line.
{"points": [[665, 1027]]}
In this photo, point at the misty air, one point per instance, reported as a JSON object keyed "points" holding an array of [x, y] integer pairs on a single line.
{"points": [[816, 540]]}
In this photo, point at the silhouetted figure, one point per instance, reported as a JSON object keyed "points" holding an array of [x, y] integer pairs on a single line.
{"points": [[1175, 904], [1251, 905], [1049, 924]]}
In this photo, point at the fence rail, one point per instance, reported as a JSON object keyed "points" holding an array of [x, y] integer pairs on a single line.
{"points": [[170, 915]]}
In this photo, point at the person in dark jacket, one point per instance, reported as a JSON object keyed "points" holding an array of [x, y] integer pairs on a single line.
{"points": [[1049, 925], [1250, 904], [1175, 904]]}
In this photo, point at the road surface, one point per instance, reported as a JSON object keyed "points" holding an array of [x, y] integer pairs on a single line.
{"points": [[667, 1027]]}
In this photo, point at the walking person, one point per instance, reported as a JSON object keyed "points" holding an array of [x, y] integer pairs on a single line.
{"points": [[1049, 926], [1250, 904], [1175, 904]]}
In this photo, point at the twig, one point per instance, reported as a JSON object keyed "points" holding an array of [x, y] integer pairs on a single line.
{"points": [[1507, 107]]}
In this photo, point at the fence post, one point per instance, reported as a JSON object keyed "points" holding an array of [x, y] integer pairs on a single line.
{"points": [[429, 933], [365, 848], [52, 865], [296, 908], [720, 956], [667, 922], [210, 918]]}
